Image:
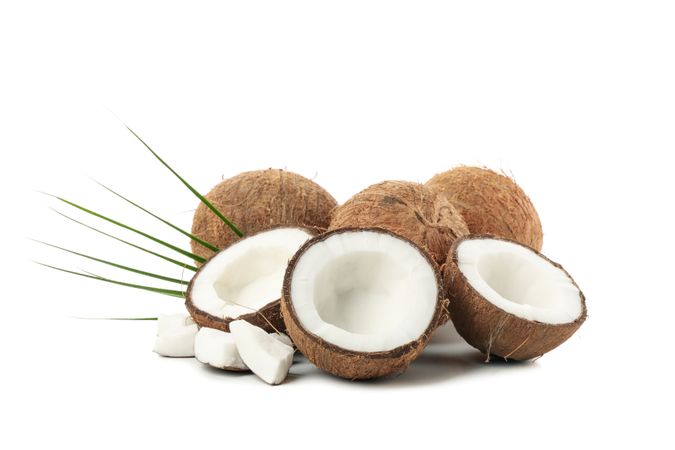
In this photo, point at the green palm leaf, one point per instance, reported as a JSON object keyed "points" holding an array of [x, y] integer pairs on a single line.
{"points": [[169, 292], [193, 190], [165, 258], [190, 235], [119, 266], [127, 227]]}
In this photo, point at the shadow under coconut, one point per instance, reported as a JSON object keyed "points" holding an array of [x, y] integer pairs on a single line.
{"points": [[446, 357], [213, 371]]}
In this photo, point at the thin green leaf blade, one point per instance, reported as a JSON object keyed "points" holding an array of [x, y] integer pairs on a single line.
{"points": [[116, 265], [138, 247], [193, 190], [127, 227], [166, 222], [116, 318], [169, 292]]}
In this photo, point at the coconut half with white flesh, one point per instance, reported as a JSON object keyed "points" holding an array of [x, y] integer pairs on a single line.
{"points": [[244, 281], [362, 303], [508, 300]]}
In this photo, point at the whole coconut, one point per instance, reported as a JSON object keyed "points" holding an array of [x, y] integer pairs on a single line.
{"points": [[491, 203], [408, 209], [260, 200]]}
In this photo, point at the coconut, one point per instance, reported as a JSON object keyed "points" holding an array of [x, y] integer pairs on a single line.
{"points": [[265, 354], [362, 303], [257, 201], [508, 300], [218, 349], [175, 336], [244, 281], [491, 203], [408, 209]]}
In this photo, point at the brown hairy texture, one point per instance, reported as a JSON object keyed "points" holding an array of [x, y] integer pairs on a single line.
{"points": [[494, 331], [268, 317], [348, 363], [257, 201], [407, 209], [491, 203]]}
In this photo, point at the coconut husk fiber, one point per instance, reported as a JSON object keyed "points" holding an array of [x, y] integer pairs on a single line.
{"points": [[491, 203], [407, 209], [494, 331], [257, 201]]}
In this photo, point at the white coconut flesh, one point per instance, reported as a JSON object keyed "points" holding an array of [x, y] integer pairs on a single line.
{"points": [[218, 348], [265, 354], [247, 275], [364, 291], [519, 281], [175, 336]]}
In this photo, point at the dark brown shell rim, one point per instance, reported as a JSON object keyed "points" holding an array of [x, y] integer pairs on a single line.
{"points": [[194, 310], [453, 257], [440, 313]]}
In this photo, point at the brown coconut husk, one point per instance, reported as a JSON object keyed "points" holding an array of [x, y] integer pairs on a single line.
{"points": [[347, 363], [491, 203], [268, 317], [257, 201], [494, 331], [407, 209]]}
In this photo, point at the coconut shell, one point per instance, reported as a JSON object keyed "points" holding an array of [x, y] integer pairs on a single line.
{"points": [[351, 364], [491, 203], [258, 201], [268, 317], [407, 209], [494, 331]]}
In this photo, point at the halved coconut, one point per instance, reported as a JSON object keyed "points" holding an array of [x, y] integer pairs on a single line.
{"points": [[509, 300], [362, 303], [244, 281]]}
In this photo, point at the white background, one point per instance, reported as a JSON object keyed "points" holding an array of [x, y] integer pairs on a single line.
{"points": [[575, 98]]}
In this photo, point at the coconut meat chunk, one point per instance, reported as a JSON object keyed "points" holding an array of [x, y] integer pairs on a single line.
{"points": [[519, 281], [264, 353], [365, 291], [247, 275]]}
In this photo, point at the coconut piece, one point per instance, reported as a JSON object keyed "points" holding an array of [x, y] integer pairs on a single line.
{"points": [[176, 341], [244, 281], [362, 303], [284, 339], [491, 203], [408, 209], [218, 349], [257, 201], [263, 353], [170, 322], [510, 301]]}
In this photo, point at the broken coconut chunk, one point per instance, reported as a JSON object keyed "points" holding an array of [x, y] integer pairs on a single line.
{"points": [[217, 349], [175, 336], [170, 322], [263, 353]]}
